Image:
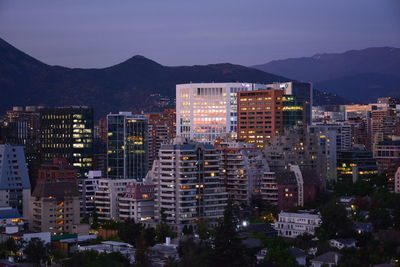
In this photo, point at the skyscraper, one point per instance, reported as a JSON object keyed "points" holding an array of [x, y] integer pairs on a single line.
{"points": [[208, 111], [127, 150], [67, 132]]}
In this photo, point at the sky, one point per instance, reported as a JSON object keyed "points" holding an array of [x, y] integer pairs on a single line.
{"points": [[101, 33]]}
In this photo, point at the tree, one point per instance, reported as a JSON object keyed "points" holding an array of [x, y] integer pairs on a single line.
{"points": [[194, 253], [142, 253], [150, 236], [129, 231], [278, 253], [36, 251], [171, 262], [163, 230], [203, 230], [228, 249], [335, 221], [91, 258], [9, 248]]}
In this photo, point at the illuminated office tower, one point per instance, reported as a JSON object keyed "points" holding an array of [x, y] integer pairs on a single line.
{"points": [[67, 132], [127, 150], [208, 111], [303, 92], [260, 116]]}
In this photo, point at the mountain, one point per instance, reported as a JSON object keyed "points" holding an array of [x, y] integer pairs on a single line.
{"points": [[129, 85], [357, 75]]}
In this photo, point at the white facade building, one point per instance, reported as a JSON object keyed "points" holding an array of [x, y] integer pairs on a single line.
{"points": [[293, 224], [207, 111], [137, 203], [15, 187], [107, 195], [397, 181], [187, 181]]}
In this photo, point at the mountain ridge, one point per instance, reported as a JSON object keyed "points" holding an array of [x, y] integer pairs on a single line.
{"points": [[124, 86]]}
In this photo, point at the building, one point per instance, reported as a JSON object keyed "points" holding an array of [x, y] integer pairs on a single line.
{"points": [[357, 111], [293, 224], [302, 92], [293, 112], [106, 197], [341, 243], [188, 189], [330, 258], [127, 149], [387, 153], [397, 181], [161, 127], [355, 164], [87, 188], [54, 207], [15, 188], [333, 138], [290, 188], [298, 147], [137, 203], [260, 115], [67, 132], [383, 124], [208, 111], [241, 168], [10, 217], [56, 170]]}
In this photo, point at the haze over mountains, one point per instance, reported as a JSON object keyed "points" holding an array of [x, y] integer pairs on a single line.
{"points": [[357, 75]]}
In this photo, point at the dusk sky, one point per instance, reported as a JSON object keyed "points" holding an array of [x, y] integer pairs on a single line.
{"points": [[101, 33]]}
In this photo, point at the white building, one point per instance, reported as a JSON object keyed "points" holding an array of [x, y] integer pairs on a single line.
{"points": [[137, 203], [269, 188], [188, 188], [15, 187], [242, 167], [107, 195], [293, 224], [87, 187], [207, 111]]}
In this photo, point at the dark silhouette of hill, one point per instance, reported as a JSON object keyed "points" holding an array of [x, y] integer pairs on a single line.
{"points": [[358, 75], [25, 80]]}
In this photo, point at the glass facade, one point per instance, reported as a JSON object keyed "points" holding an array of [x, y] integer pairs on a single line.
{"points": [[127, 154]]}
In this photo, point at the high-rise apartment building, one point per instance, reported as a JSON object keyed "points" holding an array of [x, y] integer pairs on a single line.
{"points": [[260, 115], [67, 132], [15, 188], [188, 188], [208, 111], [383, 124], [127, 149], [241, 168]]}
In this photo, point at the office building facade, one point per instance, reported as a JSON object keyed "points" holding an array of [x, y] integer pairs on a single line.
{"points": [[127, 148], [67, 132]]}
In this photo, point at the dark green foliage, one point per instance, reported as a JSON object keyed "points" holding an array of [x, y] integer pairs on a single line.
{"points": [[335, 222], [142, 252], [36, 251], [94, 259], [278, 253], [8, 248], [203, 230], [150, 236], [228, 249], [129, 231], [194, 254]]}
